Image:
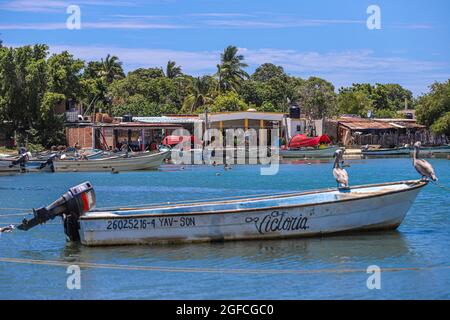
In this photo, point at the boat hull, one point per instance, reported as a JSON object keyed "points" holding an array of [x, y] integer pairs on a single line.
{"points": [[387, 152], [309, 153], [371, 212], [6, 171], [146, 162]]}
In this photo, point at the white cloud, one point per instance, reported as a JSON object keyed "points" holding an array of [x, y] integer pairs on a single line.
{"points": [[55, 5], [118, 25]]}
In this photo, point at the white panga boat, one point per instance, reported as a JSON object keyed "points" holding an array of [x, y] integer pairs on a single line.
{"points": [[386, 152], [6, 171], [326, 152], [118, 163], [429, 151], [304, 214]]}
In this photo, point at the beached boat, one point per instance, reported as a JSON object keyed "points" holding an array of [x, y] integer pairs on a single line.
{"points": [[116, 163], [7, 171], [303, 214], [427, 151], [326, 152], [386, 152]]}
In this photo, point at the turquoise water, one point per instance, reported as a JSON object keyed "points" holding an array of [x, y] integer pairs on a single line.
{"points": [[417, 255]]}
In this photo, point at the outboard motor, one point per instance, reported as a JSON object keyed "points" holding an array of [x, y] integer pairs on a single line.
{"points": [[21, 161], [49, 163], [70, 206]]}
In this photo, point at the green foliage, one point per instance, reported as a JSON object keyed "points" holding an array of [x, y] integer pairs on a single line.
{"points": [[31, 86], [172, 70], [384, 100], [201, 93], [442, 125], [230, 72], [317, 98], [268, 107], [229, 101], [354, 102], [267, 72], [433, 108], [138, 105], [64, 75]]}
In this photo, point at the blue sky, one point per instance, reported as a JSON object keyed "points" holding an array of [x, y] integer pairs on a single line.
{"points": [[323, 38]]}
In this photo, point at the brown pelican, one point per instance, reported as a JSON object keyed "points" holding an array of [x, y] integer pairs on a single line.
{"points": [[423, 167], [340, 174]]}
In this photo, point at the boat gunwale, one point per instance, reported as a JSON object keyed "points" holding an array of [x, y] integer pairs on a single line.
{"points": [[416, 184]]}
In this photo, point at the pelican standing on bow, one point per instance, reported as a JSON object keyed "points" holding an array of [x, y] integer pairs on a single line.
{"points": [[423, 167], [339, 173]]}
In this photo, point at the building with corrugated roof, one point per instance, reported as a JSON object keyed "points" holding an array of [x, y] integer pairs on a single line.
{"points": [[356, 132]]}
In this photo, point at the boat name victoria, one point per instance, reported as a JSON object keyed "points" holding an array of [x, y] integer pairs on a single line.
{"points": [[278, 221]]}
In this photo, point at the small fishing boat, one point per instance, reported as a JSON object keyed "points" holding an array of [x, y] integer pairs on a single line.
{"points": [[326, 152], [429, 151], [302, 146], [386, 151], [115, 163], [299, 214]]}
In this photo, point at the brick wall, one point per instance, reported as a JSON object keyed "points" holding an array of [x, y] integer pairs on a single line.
{"points": [[81, 135]]}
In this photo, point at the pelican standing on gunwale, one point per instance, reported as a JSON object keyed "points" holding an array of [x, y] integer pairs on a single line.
{"points": [[423, 167], [339, 173]]}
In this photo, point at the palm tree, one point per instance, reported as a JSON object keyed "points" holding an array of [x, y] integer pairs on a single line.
{"points": [[200, 92], [230, 70], [172, 70], [111, 69]]}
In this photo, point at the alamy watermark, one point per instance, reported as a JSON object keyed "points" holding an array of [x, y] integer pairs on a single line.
{"points": [[73, 22], [374, 280], [74, 279], [236, 146], [373, 22]]}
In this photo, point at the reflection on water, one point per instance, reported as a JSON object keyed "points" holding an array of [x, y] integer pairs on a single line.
{"points": [[421, 241], [368, 246]]}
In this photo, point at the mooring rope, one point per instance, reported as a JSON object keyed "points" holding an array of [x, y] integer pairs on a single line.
{"points": [[15, 209], [90, 265], [15, 214]]}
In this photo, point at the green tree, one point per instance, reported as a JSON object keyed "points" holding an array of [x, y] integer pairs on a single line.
{"points": [[230, 72], [229, 101], [317, 98], [111, 69], [267, 72], [200, 93], [354, 102], [64, 75], [23, 81], [139, 105], [172, 70], [433, 108]]}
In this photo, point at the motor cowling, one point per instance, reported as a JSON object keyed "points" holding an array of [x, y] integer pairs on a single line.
{"points": [[70, 206]]}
